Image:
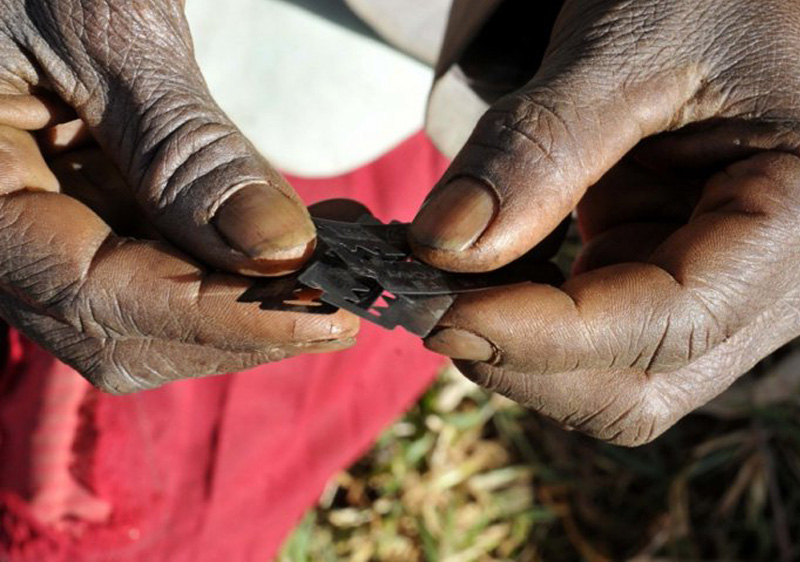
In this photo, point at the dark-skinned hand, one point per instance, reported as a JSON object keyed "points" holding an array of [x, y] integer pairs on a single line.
{"points": [[101, 246], [673, 127]]}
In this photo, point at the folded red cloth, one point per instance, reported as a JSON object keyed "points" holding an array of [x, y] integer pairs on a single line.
{"points": [[203, 470]]}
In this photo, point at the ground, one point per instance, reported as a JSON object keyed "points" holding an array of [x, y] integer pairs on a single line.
{"points": [[470, 476]]}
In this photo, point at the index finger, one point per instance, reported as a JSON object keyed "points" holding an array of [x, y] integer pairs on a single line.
{"points": [[63, 258], [735, 258]]}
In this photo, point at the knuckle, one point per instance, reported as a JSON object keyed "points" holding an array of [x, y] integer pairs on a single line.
{"points": [[631, 418], [76, 296], [673, 342], [639, 425], [93, 318], [113, 378], [715, 315], [767, 185], [89, 38], [186, 151], [651, 414], [533, 121], [50, 282], [105, 380], [114, 370], [522, 136], [42, 264], [492, 379], [95, 359]]}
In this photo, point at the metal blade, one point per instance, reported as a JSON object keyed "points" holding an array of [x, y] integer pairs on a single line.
{"points": [[367, 269], [282, 294]]}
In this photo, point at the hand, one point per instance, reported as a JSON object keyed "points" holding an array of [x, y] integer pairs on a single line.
{"points": [[674, 128], [133, 313]]}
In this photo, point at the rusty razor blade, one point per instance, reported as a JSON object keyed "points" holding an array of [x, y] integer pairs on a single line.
{"points": [[367, 268]]}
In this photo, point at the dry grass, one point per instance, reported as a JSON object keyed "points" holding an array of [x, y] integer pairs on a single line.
{"points": [[467, 477]]}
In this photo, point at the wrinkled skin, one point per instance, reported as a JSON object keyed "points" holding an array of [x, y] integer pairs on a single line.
{"points": [[673, 126], [103, 267]]}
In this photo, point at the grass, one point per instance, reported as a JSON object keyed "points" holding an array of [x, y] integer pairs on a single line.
{"points": [[468, 476]]}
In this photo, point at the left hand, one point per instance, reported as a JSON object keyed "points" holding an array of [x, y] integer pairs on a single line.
{"points": [[105, 252], [88, 277]]}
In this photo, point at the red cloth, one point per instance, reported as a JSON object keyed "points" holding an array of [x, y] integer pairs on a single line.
{"points": [[203, 470]]}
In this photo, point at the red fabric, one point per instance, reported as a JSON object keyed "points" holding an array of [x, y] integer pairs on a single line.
{"points": [[204, 470]]}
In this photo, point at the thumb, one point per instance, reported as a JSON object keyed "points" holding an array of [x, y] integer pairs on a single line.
{"points": [[129, 71], [534, 154]]}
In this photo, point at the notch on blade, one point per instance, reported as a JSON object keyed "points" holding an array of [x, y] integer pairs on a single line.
{"points": [[367, 269], [366, 298], [286, 293]]}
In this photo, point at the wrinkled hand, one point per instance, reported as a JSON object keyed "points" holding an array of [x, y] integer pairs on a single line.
{"points": [[133, 313], [674, 128]]}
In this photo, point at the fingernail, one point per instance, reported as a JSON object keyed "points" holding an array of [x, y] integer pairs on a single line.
{"points": [[328, 346], [455, 216], [281, 352], [460, 344], [320, 327], [264, 224]]}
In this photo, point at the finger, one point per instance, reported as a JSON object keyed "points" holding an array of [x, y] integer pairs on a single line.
{"points": [[632, 193], [136, 364], [110, 285], [630, 212], [64, 136], [573, 397], [131, 296], [33, 112], [143, 365], [535, 153], [21, 163], [625, 408], [632, 242], [200, 182], [702, 285]]}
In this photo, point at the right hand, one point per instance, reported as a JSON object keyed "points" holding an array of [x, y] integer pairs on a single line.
{"points": [[133, 313], [672, 128]]}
